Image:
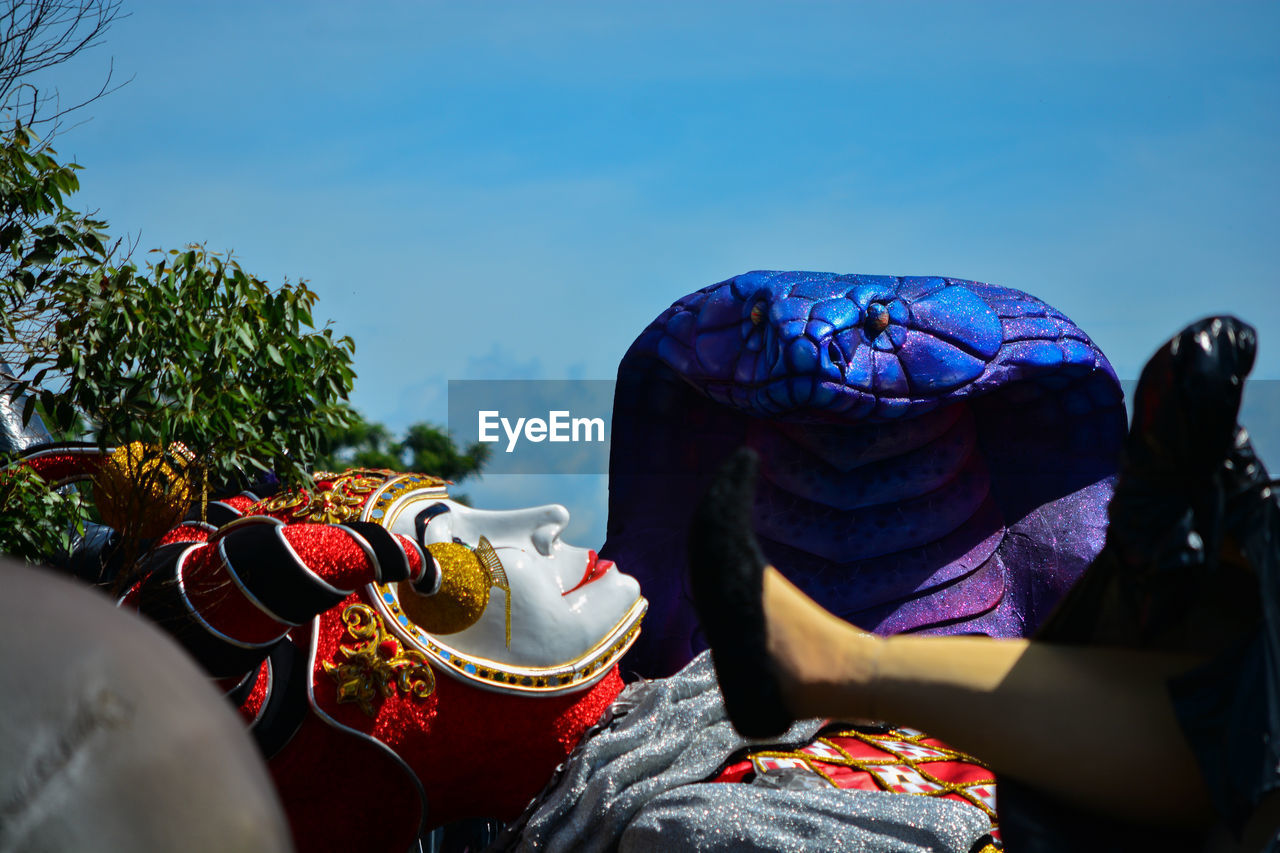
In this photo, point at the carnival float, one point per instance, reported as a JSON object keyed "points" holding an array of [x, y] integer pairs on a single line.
{"points": [[930, 457]]}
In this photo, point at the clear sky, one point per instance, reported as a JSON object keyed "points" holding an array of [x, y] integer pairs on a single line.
{"points": [[514, 190]]}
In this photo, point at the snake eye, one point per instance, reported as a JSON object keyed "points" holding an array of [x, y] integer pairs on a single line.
{"points": [[757, 313], [877, 319]]}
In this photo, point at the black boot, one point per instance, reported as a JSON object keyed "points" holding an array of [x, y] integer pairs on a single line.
{"points": [[1190, 564], [726, 570], [1159, 582]]}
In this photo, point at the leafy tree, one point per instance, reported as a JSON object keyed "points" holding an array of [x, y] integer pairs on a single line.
{"points": [[424, 448], [197, 351], [359, 444], [191, 349], [189, 352], [432, 450], [36, 521], [45, 246]]}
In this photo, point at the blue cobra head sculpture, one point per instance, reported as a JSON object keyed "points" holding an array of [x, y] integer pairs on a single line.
{"points": [[936, 454]]}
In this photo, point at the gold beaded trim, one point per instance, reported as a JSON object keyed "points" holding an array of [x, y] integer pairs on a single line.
{"points": [[573, 675], [390, 499]]}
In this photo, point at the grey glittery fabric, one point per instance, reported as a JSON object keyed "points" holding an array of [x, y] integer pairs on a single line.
{"points": [[747, 817], [635, 786]]}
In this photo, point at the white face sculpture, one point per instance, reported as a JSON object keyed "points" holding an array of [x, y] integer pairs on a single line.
{"points": [[565, 601]]}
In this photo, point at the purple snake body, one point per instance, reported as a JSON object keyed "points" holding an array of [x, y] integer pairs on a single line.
{"points": [[936, 454]]}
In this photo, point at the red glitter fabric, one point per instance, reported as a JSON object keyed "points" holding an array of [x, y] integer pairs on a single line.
{"points": [[478, 753], [189, 531], [499, 749], [332, 553], [413, 554], [64, 465], [221, 603], [257, 697], [129, 601], [241, 503], [344, 794]]}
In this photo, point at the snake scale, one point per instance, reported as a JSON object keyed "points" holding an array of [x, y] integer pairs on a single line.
{"points": [[936, 454]]}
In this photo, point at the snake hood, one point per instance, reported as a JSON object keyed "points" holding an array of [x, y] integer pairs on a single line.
{"points": [[936, 454]]}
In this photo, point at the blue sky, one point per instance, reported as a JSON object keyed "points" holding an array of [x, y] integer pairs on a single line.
{"points": [[514, 190]]}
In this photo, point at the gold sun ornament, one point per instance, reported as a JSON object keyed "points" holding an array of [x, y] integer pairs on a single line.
{"points": [[142, 491], [466, 577]]}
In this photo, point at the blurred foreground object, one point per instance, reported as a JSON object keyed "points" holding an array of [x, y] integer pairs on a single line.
{"points": [[112, 739]]}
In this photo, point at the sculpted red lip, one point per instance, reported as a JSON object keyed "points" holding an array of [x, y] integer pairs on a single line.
{"points": [[596, 567]]}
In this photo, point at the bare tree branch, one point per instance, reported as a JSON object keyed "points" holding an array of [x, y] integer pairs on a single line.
{"points": [[36, 35]]}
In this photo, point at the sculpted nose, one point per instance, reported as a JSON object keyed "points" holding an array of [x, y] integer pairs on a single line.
{"points": [[550, 521]]}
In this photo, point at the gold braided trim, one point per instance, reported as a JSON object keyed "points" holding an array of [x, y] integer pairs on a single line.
{"points": [[902, 746]]}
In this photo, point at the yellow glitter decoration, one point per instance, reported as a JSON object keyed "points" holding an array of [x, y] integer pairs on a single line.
{"points": [[467, 575], [376, 662], [142, 491], [463, 595]]}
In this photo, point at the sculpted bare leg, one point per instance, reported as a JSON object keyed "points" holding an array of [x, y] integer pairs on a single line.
{"points": [[1053, 716]]}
